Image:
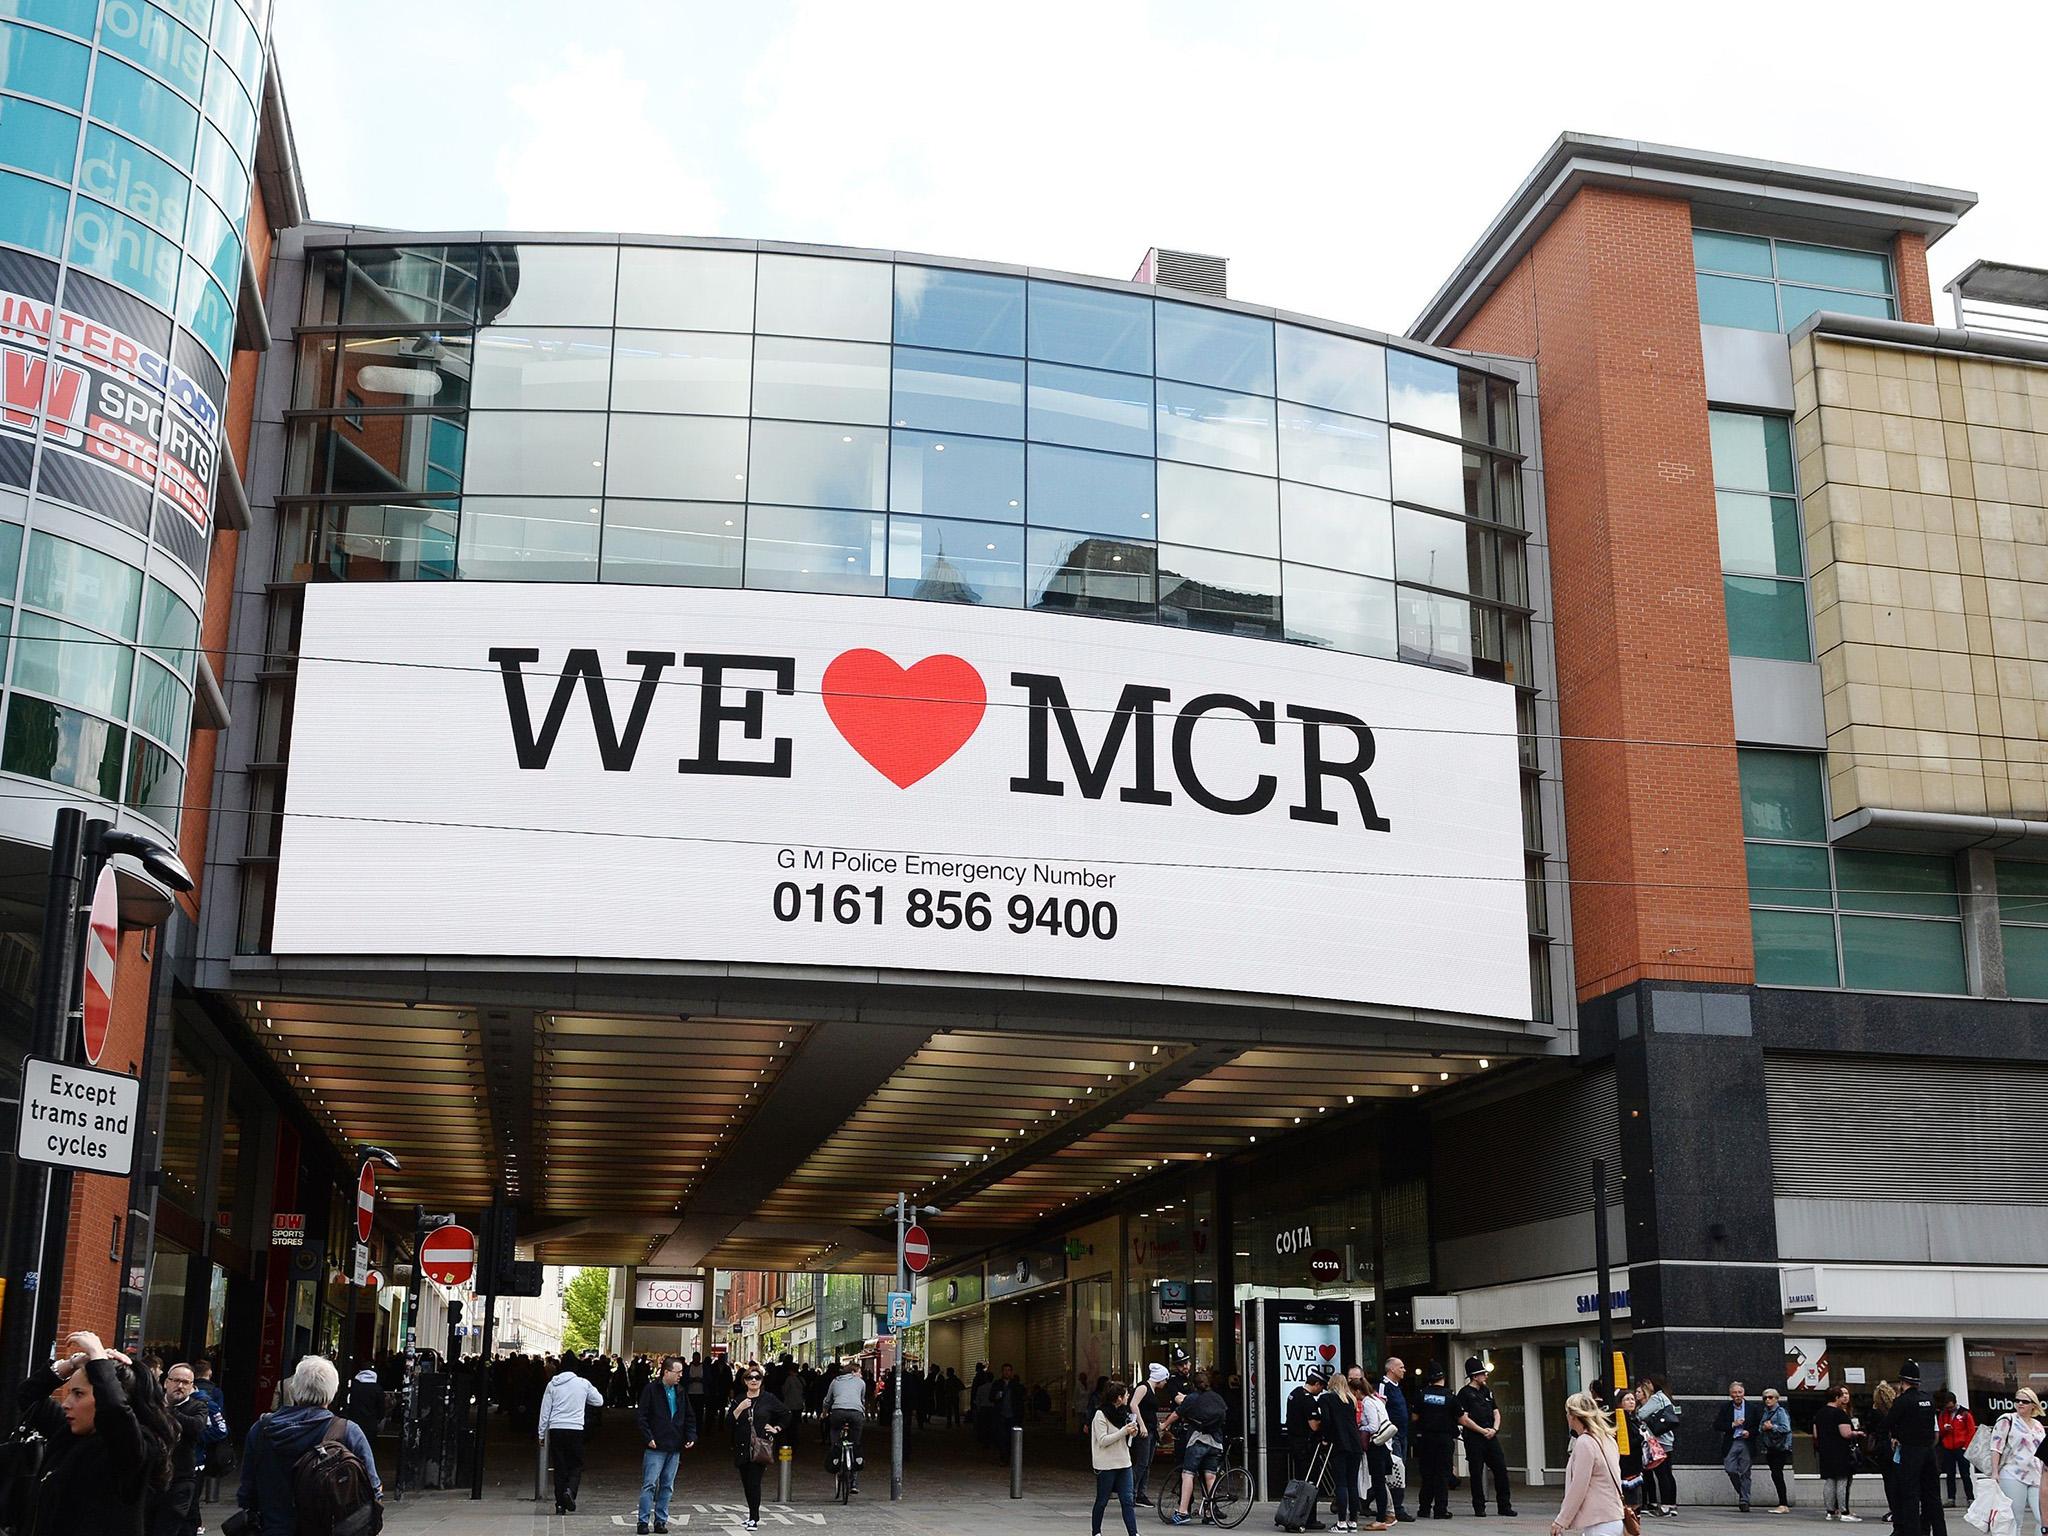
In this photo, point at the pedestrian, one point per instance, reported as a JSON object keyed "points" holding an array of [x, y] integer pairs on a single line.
{"points": [[1145, 1444], [693, 1383], [1834, 1448], [1916, 1482], [949, 1397], [1112, 1432], [717, 1388], [1774, 1435], [1592, 1474], [1658, 1417], [1479, 1419], [667, 1429], [983, 1407], [109, 1442], [1374, 1428], [1958, 1426], [758, 1428], [1337, 1411], [175, 1510], [564, 1407], [1300, 1424], [1436, 1435], [1737, 1424], [1878, 1443], [1632, 1458], [275, 1442], [2016, 1460], [366, 1403], [1199, 1413], [1399, 1415]]}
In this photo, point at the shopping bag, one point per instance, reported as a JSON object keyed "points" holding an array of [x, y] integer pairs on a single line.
{"points": [[1991, 1511]]}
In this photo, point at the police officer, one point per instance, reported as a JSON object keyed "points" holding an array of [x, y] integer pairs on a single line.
{"points": [[1479, 1418], [1302, 1425], [1436, 1427], [1916, 1477]]}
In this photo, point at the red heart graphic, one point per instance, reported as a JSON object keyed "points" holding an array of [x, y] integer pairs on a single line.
{"points": [[905, 723], [1327, 1351]]}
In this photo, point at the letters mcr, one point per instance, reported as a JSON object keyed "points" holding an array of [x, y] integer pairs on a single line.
{"points": [[1336, 750]]}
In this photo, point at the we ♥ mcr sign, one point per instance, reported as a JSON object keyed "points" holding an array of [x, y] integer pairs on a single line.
{"points": [[645, 773]]}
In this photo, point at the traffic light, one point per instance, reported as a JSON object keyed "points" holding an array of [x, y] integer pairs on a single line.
{"points": [[454, 1317]]}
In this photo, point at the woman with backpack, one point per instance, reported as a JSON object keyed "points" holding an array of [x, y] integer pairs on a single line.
{"points": [[2016, 1460], [1110, 1433], [302, 1464], [110, 1442], [1658, 1416]]}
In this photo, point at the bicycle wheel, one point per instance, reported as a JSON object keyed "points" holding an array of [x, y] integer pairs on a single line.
{"points": [[1232, 1500], [1166, 1499]]}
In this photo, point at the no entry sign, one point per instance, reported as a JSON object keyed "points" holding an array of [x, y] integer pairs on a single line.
{"points": [[917, 1249], [366, 1201], [448, 1257], [102, 944]]}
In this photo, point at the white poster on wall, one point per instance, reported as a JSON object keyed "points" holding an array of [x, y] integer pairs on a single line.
{"points": [[679, 774], [1303, 1346]]}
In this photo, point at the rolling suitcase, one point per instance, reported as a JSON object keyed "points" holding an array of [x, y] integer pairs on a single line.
{"points": [[1296, 1510]]}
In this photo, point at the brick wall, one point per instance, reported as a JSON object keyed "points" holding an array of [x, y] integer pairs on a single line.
{"points": [[1605, 304], [1909, 266]]}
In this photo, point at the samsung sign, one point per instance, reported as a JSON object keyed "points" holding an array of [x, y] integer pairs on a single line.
{"points": [[662, 773]]}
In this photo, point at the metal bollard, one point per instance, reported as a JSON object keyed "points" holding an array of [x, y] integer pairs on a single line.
{"points": [[1017, 1461], [540, 1471], [785, 1459]]}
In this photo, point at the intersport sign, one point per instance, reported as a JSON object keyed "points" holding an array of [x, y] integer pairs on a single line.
{"points": [[656, 773]]}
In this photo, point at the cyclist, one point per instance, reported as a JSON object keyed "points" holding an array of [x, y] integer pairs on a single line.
{"points": [[846, 1403], [1199, 1413]]}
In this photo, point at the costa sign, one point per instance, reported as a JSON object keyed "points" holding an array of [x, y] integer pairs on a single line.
{"points": [[839, 781]]}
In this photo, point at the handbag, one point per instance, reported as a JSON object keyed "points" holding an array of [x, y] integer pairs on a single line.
{"points": [[1631, 1522], [1654, 1453], [21, 1463]]}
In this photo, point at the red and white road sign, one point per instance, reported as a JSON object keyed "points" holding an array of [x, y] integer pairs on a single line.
{"points": [[102, 944], [448, 1256], [917, 1249], [366, 1201]]}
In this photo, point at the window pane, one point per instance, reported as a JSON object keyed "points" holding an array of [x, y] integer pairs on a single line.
{"points": [[206, 311], [77, 16], [10, 553], [208, 235], [169, 628], [1351, 533], [1717, 252], [117, 247], [528, 538], [32, 213], [1343, 612], [382, 455], [700, 373], [82, 584], [1784, 876], [954, 476], [796, 549], [428, 285], [1751, 452], [1759, 533], [228, 105], [1781, 796], [1225, 431], [1794, 949], [1888, 954], [1091, 327], [71, 664], [44, 140], [391, 543], [153, 114], [823, 296], [1432, 550], [63, 746], [1766, 618], [937, 561], [1422, 392], [550, 284], [42, 65], [799, 465], [1737, 301], [220, 172], [1916, 883], [1342, 453], [958, 392], [2026, 961], [144, 35], [534, 453], [677, 290], [1102, 492], [1215, 346], [1798, 303], [1215, 509], [961, 311], [1831, 266], [1230, 594], [1078, 573], [1339, 373], [1085, 408], [163, 705], [1435, 631], [1433, 473], [564, 370], [2022, 891], [821, 380], [677, 458], [156, 784], [673, 543]]}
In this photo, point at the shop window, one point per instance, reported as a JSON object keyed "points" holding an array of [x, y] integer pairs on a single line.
{"points": [[1759, 284]]}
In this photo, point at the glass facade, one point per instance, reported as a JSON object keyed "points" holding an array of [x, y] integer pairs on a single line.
{"points": [[127, 154], [1763, 551], [557, 412], [1760, 284]]}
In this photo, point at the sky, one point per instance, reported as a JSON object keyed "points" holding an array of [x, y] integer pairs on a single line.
{"points": [[1342, 156]]}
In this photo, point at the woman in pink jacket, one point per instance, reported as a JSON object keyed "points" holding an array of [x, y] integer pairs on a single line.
{"points": [[1592, 1476]]}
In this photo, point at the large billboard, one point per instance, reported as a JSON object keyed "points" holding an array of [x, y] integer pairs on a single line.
{"points": [[657, 773]]}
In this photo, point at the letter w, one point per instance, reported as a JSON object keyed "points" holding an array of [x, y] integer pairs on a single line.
{"points": [[613, 750]]}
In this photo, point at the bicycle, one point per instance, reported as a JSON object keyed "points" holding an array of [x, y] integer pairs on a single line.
{"points": [[843, 1465], [1226, 1503]]}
